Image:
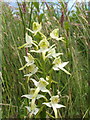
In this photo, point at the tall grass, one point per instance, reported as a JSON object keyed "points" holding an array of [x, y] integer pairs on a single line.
{"points": [[75, 29]]}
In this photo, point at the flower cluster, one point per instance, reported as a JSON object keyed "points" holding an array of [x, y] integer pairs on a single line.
{"points": [[46, 51]]}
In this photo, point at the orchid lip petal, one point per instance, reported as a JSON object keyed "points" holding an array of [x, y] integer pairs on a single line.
{"points": [[65, 71]]}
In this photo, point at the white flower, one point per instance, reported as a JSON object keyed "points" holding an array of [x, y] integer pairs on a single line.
{"points": [[52, 53], [36, 28], [58, 65], [44, 47], [55, 35], [41, 86], [30, 95], [32, 70], [54, 104], [29, 59], [29, 42], [34, 111]]}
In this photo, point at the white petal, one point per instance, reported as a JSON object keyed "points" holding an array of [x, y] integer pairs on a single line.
{"points": [[28, 108], [57, 54], [46, 90], [26, 59], [35, 70], [35, 82], [58, 105], [48, 104], [28, 39], [30, 30], [55, 67], [36, 51], [27, 96], [28, 75], [35, 111], [63, 64], [40, 96], [30, 63]]}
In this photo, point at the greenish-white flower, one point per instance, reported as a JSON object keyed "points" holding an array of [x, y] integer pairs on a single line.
{"points": [[30, 95], [55, 35], [54, 104], [36, 28], [32, 112], [44, 47], [29, 61], [32, 70], [41, 86], [58, 65], [52, 53], [44, 44], [29, 42]]}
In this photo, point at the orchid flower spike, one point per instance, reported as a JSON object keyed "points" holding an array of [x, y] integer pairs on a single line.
{"points": [[54, 104]]}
